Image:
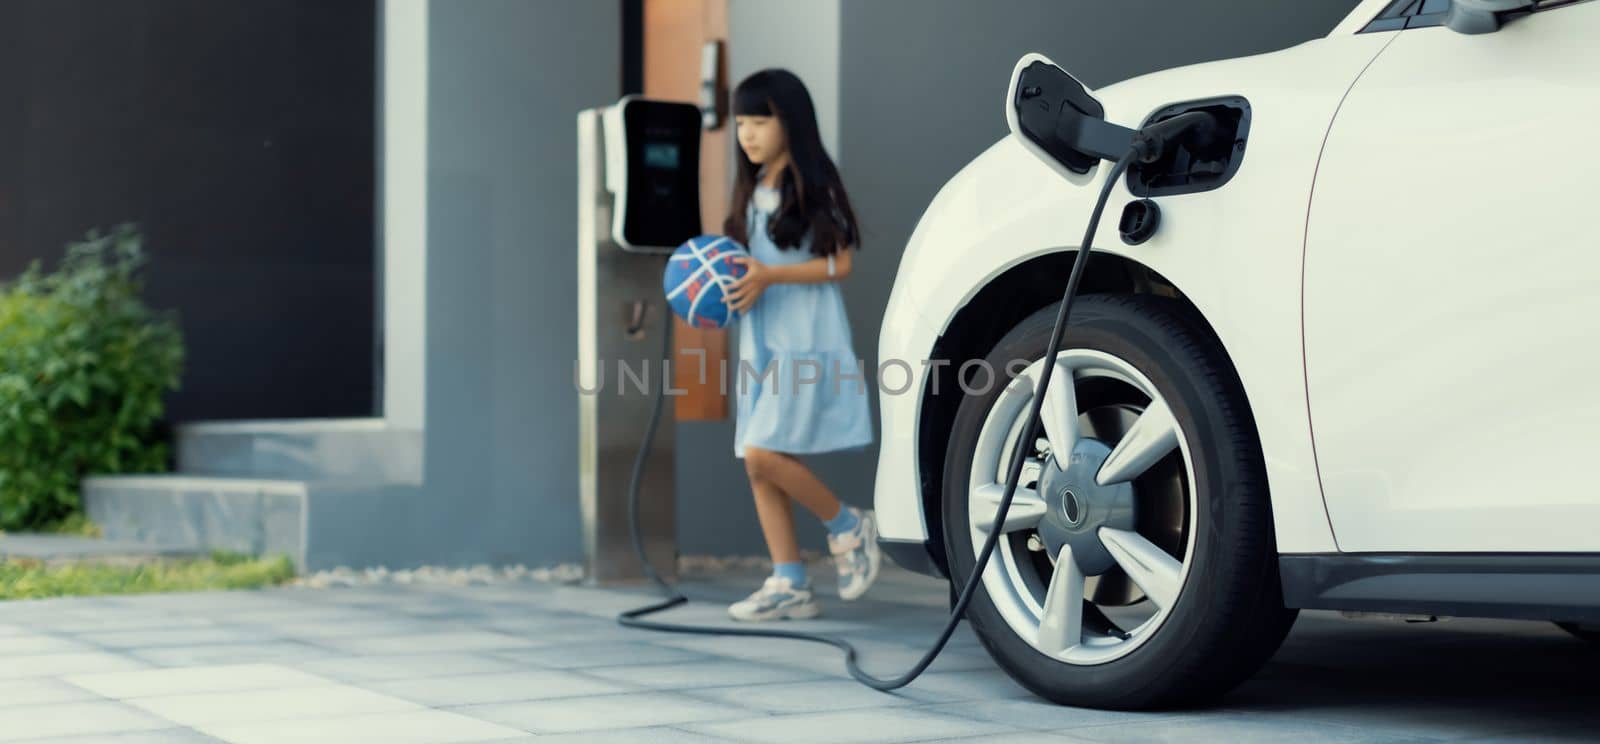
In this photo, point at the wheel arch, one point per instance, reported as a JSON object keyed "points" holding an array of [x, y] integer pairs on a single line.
{"points": [[1015, 293]]}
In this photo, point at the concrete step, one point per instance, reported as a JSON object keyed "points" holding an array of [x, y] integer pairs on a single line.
{"points": [[319, 524], [248, 515], [301, 449]]}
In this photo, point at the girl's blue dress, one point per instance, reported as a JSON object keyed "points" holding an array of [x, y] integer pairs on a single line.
{"points": [[801, 387]]}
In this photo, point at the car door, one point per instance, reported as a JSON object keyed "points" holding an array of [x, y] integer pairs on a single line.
{"points": [[1451, 298]]}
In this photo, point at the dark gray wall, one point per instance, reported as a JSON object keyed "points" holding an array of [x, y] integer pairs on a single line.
{"points": [[919, 90], [239, 135], [506, 80]]}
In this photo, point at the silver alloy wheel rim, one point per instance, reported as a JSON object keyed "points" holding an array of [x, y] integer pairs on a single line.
{"points": [[1010, 580]]}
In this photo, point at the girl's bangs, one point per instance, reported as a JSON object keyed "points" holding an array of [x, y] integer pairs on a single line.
{"points": [[752, 100]]}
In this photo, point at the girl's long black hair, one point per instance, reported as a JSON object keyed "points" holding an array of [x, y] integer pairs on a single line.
{"points": [[813, 195]]}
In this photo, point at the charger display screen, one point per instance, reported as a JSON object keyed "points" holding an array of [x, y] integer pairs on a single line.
{"points": [[663, 155], [663, 187]]}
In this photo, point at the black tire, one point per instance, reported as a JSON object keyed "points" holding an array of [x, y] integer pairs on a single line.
{"points": [[1229, 618]]}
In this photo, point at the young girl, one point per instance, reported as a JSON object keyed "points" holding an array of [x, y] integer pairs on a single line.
{"points": [[801, 388]]}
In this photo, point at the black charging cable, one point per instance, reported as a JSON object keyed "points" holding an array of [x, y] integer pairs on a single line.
{"points": [[633, 618]]}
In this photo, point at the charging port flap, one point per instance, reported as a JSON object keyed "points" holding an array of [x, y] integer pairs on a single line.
{"points": [[1192, 168]]}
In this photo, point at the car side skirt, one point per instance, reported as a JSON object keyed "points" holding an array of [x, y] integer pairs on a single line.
{"points": [[1562, 587]]}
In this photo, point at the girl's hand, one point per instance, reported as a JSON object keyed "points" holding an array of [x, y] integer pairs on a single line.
{"points": [[743, 292]]}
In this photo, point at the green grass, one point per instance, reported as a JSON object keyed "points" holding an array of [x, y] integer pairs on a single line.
{"points": [[28, 579], [73, 524]]}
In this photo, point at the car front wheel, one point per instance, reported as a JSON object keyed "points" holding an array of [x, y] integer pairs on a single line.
{"points": [[1136, 566]]}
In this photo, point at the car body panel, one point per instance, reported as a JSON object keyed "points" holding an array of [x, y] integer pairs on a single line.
{"points": [[1452, 295], [1006, 207]]}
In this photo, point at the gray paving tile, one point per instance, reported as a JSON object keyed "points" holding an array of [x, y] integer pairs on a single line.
{"points": [[1444, 720], [158, 736], [496, 606], [41, 691], [842, 727], [1042, 715], [524, 593], [605, 603], [417, 593], [884, 660], [1231, 728], [405, 666], [202, 603], [919, 631], [54, 665], [427, 643], [60, 609], [197, 636], [265, 705], [587, 630], [816, 657], [916, 634], [653, 735], [206, 679], [358, 597], [29, 644], [445, 611], [299, 614], [320, 629], [1334, 681], [869, 639], [411, 727], [1020, 737], [245, 653], [112, 621], [742, 648], [803, 697], [689, 675], [539, 684], [69, 719], [533, 616], [942, 687], [605, 712], [588, 656], [715, 615]]}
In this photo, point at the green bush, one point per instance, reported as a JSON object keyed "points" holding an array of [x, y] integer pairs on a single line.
{"points": [[84, 367]]}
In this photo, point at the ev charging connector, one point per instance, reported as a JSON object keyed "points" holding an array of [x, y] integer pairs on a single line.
{"points": [[1060, 122]]}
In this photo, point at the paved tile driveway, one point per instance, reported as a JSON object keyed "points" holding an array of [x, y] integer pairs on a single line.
{"points": [[531, 662]]}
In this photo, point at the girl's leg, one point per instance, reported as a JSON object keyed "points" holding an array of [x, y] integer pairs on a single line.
{"points": [[772, 505], [787, 594], [799, 483], [852, 534]]}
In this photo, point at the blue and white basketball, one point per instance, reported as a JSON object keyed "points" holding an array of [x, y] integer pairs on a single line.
{"points": [[697, 276]]}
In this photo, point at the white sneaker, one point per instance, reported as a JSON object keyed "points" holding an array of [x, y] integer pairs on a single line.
{"points": [[857, 556], [777, 599]]}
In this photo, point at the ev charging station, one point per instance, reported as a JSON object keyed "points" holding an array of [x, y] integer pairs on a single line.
{"points": [[638, 199]]}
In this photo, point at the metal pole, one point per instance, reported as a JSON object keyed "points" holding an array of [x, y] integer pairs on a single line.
{"points": [[613, 410]]}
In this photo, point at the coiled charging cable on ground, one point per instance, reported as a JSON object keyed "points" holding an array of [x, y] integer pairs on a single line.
{"points": [[634, 618]]}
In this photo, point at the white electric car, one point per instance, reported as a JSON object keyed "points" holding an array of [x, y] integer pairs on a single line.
{"points": [[1353, 368]]}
